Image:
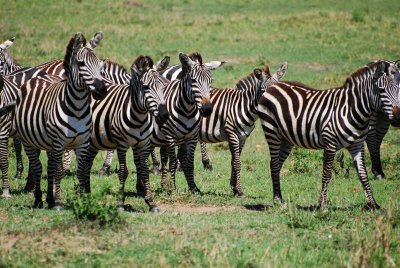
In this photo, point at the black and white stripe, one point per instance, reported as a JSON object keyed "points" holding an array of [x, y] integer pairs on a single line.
{"points": [[56, 116], [293, 114], [124, 119], [234, 115]]}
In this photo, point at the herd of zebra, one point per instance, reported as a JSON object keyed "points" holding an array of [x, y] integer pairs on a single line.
{"points": [[87, 104]]}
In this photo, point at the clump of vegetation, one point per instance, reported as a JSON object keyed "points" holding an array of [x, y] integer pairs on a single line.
{"points": [[94, 207]]}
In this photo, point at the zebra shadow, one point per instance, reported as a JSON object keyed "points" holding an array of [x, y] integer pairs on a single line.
{"points": [[257, 207], [133, 194], [315, 207]]}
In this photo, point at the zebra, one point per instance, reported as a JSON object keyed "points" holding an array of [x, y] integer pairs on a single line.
{"points": [[54, 116], [124, 119], [7, 63], [187, 99], [293, 114], [234, 115]]}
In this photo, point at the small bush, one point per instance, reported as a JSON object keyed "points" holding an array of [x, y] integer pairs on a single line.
{"points": [[92, 208]]}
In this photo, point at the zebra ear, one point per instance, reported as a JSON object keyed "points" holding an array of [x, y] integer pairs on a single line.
{"points": [[8, 43], [95, 41], [79, 41], [162, 64], [258, 73], [212, 65], [186, 62], [380, 70], [282, 70]]}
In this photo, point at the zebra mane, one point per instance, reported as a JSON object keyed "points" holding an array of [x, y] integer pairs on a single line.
{"points": [[195, 56], [70, 51], [362, 71], [141, 63], [245, 81]]}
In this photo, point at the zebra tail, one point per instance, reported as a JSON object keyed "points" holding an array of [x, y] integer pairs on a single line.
{"points": [[6, 109]]}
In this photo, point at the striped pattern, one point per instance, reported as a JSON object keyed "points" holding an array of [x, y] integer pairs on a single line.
{"points": [[293, 114], [56, 116], [234, 115], [7, 63], [187, 99], [124, 119]]}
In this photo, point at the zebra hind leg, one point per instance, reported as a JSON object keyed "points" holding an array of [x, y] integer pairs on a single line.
{"points": [[18, 156], [34, 167], [67, 162], [105, 169], [204, 156], [4, 167], [156, 162], [329, 155]]}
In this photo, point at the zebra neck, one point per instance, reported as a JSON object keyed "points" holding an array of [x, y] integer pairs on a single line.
{"points": [[75, 98], [12, 66], [185, 99], [137, 99]]}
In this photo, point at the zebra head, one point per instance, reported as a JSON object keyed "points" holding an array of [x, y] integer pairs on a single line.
{"points": [[200, 79], [5, 58], [386, 80], [83, 67], [151, 83], [266, 79]]}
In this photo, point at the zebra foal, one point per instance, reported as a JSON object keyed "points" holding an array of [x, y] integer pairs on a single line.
{"points": [[55, 116], [293, 114]]}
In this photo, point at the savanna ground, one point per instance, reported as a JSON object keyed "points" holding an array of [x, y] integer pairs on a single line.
{"points": [[323, 42]]}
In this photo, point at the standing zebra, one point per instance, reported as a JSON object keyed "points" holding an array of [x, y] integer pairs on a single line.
{"points": [[187, 99], [124, 119], [234, 115], [55, 116], [293, 114]]}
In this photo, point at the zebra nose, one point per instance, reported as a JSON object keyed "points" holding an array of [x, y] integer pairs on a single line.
{"points": [[396, 117], [163, 114], [206, 109], [100, 89]]}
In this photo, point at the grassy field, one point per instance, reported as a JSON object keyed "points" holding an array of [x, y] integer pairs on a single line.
{"points": [[323, 42]]}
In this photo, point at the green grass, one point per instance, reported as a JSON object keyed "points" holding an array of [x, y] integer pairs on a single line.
{"points": [[323, 42]]}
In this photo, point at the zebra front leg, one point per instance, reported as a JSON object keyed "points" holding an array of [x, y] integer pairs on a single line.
{"points": [[34, 167], [55, 174], [188, 164], [329, 155], [18, 156], [140, 185], [141, 157], [84, 157], [204, 156], [122, 175], [156, 162], [4, 167], [105, 169], [234, 147], [358, 155], [34, 171], [164, 162], [67, 162]]}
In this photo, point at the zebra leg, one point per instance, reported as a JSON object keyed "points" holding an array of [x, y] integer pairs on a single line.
{"points": [[105, 169], [67, 162], [140, 185], [378, 127], [234, 147], [172, 162], [4, 166], [164, 161], [279, 151], [188, 164], [156, 162], [204, 156], [141, 157], [329, 155], [122, 175], [358, 155], [84, 157], [55, 174], [18, 156], [179, 157], [34, 170]]}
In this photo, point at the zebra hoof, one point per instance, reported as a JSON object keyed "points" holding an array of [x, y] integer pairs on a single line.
{"points": [[195, 190], [207, 165], [104, 171], [154, 209], [155, 171], [278, 201], [57, 208], [28, 188], [38, 204], [6, 193], [372, 206], [379, 177]]}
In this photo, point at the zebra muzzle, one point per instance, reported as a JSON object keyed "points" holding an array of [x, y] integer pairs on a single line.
{"points": [[206, 109], [396, 117], [100, 89], [162, 115]]}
